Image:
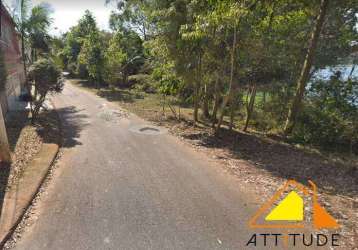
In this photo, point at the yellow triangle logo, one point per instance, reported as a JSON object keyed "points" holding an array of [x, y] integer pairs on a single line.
{"points": [[289, 209]]}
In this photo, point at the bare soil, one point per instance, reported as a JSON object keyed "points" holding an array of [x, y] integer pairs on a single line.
{"points": [[25, 141]]}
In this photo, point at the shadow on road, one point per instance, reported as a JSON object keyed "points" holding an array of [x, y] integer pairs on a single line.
{"points": [[73, 121], [48, 128], [112, 94], [118, 95]]}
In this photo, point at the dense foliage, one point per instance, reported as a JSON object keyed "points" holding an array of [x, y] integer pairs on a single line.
{"points": [[46, 78], [330, 115], [231, 59], [90, 53]]}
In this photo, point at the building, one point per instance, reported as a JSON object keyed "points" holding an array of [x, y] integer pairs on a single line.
{"points": [[10, 44]]}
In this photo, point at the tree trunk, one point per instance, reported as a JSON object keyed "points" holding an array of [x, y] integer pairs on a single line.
{"points": [[264, 99], [216, 102], [305, 73], [352, 70], [250, 106], [27, 85], [163, 105], [206, 103], [196, 103], [228, 97], [23, 52], [197, 92], [232, 113]]}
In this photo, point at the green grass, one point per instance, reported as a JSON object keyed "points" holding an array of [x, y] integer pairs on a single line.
{"points": [[145, 105]]}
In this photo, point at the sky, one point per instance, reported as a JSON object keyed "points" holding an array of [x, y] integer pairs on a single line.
{"points": [[67, 12]]}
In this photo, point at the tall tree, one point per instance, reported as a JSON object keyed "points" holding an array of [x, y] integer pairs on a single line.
{"points": [[306, 69], [37, 26], [33, 24], [75, 38], [91, 56]]}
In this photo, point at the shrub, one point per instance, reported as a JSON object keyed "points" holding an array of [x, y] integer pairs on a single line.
{"points": [[138, 79], [46, 79], [81, 71], [72, 68], [142, 82], [330, 114]]}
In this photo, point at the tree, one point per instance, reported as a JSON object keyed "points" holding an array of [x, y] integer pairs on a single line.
{"points": [[91, 56], [115, 59], [329, 117], [306, 69], [130, 15], [132, 45], [74, 40], [46, 79], [230, 91], [21, 22], [33, 24], [36, 28]]}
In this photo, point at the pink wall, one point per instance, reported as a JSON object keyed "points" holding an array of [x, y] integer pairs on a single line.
{"points": [[10, 43]]}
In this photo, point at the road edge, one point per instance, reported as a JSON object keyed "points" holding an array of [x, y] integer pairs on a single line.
{"points": [[8, 225]]}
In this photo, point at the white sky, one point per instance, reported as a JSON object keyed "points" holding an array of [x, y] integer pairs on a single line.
{"points": [[68, 12]]}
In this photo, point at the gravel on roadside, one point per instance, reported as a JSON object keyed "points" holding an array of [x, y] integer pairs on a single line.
{"points": [[24, 141]]}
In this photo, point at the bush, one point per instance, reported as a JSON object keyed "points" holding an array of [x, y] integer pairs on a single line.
{"points": [[330, 114], [264, 121], [81, 71], [2, 71], [46, 78], [138, 79], [142, 82]]}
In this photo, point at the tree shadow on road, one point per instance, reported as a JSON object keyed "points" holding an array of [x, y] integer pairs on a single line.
{"points": [[73, 121], [112, 94], [62, 126], [118, 95]]}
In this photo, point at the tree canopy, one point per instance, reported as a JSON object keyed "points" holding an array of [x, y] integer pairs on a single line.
{"points": [[256, 59]]}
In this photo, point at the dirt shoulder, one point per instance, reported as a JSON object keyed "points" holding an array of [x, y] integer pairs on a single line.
{"points": [[260, 163], [34, 147], [26, 139]]}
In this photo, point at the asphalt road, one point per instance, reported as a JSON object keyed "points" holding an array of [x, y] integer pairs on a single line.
{"points": [[120, 189]]}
